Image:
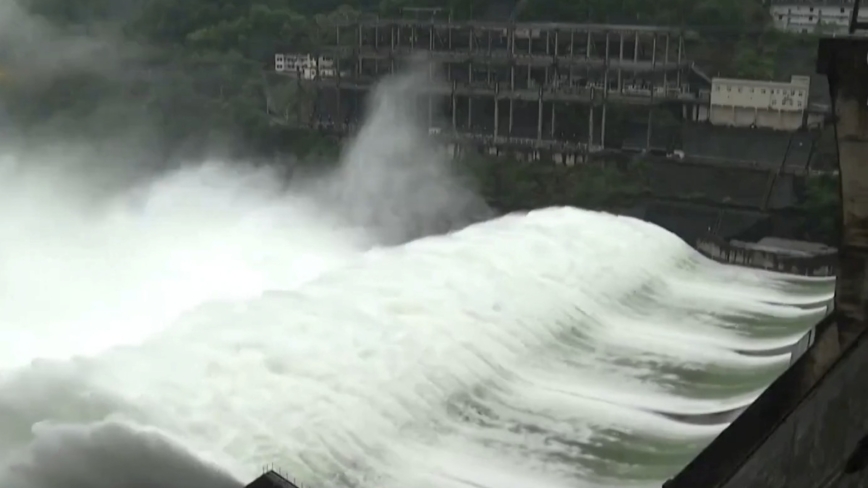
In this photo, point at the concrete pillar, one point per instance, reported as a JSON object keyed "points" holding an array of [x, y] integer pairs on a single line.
{"points": [[539, 119], [606, 67], [512, 40], [650, 122], [430, 97], [678, 81], [529, 51], [511, 112], [338, 101], [621, 63], [653, 64], [359, 59], [496, 110], [666, 65], [454, 107], [554, 110], [469, 98], [393, 43]]}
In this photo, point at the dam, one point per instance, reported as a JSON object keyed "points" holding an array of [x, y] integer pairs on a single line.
{"points": [[212, 321], [810, 427]]}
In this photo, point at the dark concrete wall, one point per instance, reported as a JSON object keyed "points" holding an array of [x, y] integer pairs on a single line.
{"points": [[691, 221], [762, 148], [712, 183], [808, 448], [739, 254]]}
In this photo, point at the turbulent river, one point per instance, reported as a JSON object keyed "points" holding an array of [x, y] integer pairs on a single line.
{"points": [[193, 329]]}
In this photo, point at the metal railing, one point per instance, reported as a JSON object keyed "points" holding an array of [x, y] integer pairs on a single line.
{"points": [[273, 468]]}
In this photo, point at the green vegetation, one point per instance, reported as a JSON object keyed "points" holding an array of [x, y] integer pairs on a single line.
{"points": [[819, 209], [205, 57], [510, 184], [192, 71]]}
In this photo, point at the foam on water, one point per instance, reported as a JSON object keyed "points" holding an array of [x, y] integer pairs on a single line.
{"points": [[349, 373], [78, 278], [213, 320]]}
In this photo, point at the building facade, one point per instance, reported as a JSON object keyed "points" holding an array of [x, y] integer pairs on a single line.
{"points": [[810, 16], [754, 103], [305, 66]]}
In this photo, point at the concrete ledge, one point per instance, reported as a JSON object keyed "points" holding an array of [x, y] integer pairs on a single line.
{"points": [[751, 255]]}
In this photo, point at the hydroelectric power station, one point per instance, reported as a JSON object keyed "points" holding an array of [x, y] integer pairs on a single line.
{"points": [[810, 427]]}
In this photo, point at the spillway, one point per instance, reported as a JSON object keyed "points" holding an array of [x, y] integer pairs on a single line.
{"points": [[186, 331], [557, 348]]}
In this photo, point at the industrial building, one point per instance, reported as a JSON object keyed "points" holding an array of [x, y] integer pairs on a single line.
{"points": [[544, 91], [810, 427], [566, 89]]}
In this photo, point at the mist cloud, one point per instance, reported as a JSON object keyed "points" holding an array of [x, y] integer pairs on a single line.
{"points": [[393, 178], [108, 455], [33, 50], [392, 181]]}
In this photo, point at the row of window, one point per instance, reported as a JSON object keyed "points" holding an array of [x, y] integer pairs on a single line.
{"points": [[812, 19], [843, 10], [763, 91]]}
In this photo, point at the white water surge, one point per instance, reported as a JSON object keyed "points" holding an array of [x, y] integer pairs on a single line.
{"points": [[224, 323]]}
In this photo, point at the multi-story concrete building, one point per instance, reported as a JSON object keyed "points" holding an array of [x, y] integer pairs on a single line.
{"points": [[559, 91], [808, 16], [566, 89]]}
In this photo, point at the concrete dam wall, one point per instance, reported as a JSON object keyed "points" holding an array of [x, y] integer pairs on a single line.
{"points": [[755, 255]]}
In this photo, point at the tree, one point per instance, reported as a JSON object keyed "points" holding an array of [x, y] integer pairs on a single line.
{"points": [[820, 208]]}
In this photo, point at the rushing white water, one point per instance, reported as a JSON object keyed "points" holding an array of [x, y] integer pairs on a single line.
{"points": [[510, 340], [212, 321]]}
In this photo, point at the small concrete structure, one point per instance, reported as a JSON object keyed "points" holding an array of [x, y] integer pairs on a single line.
{"points": [[760, 103], [773, 254]]}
